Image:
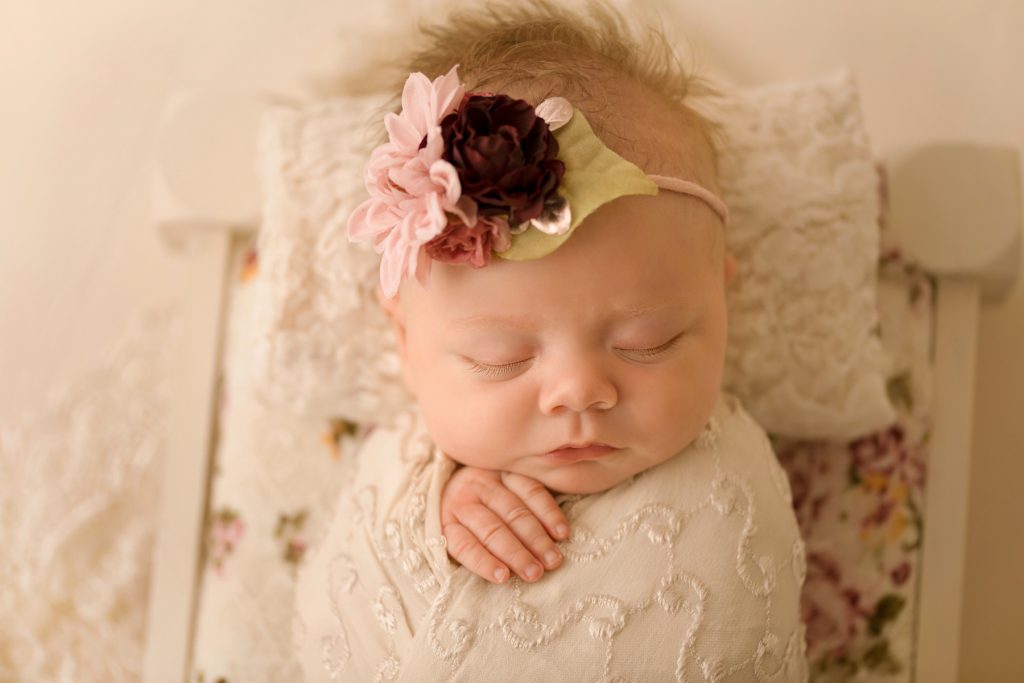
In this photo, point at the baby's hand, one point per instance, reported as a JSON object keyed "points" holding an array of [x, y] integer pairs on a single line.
{"points": [[503, 513]]}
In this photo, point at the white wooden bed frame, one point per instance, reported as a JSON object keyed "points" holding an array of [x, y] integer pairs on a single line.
{"points": [[955, 207]]}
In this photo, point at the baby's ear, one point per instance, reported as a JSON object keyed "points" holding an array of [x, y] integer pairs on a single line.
{"points": [[730, 268]]}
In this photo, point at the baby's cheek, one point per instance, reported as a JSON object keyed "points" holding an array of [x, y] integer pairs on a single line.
{"points": [[672, 412], [461, 429]]}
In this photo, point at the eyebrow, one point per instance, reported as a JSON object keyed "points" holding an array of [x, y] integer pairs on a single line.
{"points": [[528, 323]]}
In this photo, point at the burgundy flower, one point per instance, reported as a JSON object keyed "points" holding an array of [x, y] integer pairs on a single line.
{"points": [[504, 155], [460, 243]]}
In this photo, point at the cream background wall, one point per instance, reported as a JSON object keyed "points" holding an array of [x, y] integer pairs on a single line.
{"points": [[82, 84]]}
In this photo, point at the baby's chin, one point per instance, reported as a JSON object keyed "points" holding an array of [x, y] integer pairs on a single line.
{"points": [[583, 478]]}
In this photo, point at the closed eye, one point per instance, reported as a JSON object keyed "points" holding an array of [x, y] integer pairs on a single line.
{"points": [[657, 349], [505, 369], [497, 370]]}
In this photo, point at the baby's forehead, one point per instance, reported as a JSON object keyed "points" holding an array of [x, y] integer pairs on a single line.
{"points": [[610, 270]]}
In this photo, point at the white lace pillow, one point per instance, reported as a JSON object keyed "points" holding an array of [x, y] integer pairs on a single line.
{"points": [[804, 355], [799, 177], [327, 348]]}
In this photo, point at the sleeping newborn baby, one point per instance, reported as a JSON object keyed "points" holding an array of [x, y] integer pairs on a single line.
{"points": [[557, 290]]}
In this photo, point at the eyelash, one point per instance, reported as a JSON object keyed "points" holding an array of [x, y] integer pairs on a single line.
{"points": [[496, 370], [509, 368], [657, 349]]}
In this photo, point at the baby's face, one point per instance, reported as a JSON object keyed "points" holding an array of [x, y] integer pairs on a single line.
{"points": [[616, 338]]}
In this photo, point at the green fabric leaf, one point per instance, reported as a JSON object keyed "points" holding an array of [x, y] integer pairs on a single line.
{"points": [[594, 175]]}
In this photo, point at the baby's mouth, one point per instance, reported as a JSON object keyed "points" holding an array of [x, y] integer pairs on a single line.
{"points": [[569, 455]]}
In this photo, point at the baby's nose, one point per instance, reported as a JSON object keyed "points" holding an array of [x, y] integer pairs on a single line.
{"points": [[577, 384]]}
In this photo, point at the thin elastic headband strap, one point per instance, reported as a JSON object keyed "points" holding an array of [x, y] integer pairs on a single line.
{"points": [[694, 190]]}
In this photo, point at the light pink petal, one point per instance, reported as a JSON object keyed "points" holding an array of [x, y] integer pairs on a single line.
{"points": [[402, 133], [449, 93], [414, 178], [384, 189], [381, 160], [369, 219], [445, 175], [388, 280], [405, 177], [382, 216], [392, 262], [382, 154], [431, 219], [357, 226], [434, 148], [405, 233], [418, 103], [407, 247], [416, 225]]}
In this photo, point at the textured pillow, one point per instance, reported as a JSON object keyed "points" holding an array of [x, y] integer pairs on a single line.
{"points": [[327, 349], [796, 171], [799, 177]]}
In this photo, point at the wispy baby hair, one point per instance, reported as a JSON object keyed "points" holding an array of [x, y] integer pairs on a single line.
{"points": [[538, 48]]}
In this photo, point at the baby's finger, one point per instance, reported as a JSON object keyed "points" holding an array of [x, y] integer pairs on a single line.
{"points": [[500, 540], [467, 550], [541, 503], [524, 524]]}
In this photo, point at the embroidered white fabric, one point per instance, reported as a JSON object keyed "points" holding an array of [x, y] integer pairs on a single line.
{"points": [[797, 173], [691, 570], [77, 515]]}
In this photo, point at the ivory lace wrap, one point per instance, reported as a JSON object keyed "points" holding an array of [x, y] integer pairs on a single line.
{"points": [[690, 571]]}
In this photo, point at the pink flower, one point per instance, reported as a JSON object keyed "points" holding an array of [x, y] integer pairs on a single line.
{"points": [[461, 243], [411, 187]]}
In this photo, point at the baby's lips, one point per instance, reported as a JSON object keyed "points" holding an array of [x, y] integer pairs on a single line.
{"points": [[567, 456]]}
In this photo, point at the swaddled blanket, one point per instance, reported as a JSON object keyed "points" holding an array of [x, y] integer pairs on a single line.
{"points": [[690, 571]]}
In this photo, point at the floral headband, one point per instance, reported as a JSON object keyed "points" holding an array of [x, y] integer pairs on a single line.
{"points": [[467, 174]]}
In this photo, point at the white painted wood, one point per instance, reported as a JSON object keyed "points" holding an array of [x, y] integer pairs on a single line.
{"points": [[957, 209], [941, 587], [205, 191], [207, 176], [185, 474]]}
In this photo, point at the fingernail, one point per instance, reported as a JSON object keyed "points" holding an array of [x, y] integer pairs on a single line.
{"points": [[551, 557], [562, 531], [532, 571], [500, 574]]}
